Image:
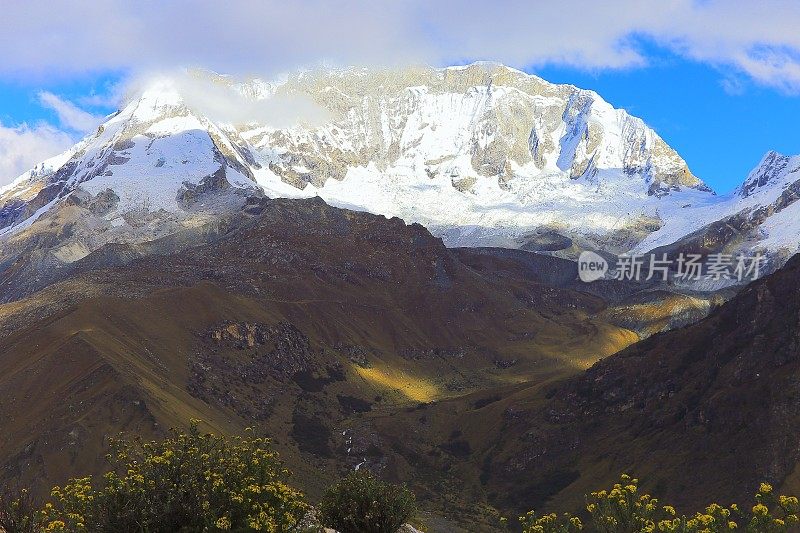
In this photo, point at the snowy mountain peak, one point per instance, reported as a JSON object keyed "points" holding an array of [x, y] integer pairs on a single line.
{"points": [[771, 169], [760, 216], [481, 154]]}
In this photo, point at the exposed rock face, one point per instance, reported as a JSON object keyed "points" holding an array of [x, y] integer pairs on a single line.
{"points": [[495, 115], [261, 352], [99, 205], [281, 350], [772, 166]]}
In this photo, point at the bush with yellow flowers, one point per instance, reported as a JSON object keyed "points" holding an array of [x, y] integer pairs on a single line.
{"points": [[550, 523], [186, 483], [622, 509], [774, 513], [18, 512]]}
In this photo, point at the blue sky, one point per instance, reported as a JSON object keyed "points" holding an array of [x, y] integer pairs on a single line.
{"points": [[718, 79]]}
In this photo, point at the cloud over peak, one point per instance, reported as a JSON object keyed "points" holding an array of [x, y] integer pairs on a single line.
{"points": [[24, 146]]}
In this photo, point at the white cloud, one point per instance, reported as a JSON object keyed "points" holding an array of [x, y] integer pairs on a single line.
{"points": [[70, 116], [732, 85], [24, 146], [758, 38], [219, 98], [111, 96]]}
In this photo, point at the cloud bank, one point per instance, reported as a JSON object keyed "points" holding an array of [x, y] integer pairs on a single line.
{"points": [[220, 99], [23, 147], [757, 38], [747, 39]]}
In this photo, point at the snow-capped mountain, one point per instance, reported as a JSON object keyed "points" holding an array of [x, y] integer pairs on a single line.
{"points": [[761, 215], [481, 155]]}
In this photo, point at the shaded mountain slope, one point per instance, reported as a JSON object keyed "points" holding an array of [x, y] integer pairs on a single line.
{"points": [[700, 413]]}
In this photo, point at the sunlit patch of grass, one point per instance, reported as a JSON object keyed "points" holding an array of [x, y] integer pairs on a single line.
{"points": [[412, 387], [10, 308], [617, 340], [667, 307], [652, 317], [584, 352], [609, 341]]}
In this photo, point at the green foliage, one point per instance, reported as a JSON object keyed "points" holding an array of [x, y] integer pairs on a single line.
{"points": [[186, 483], [359, 503], [622, 509]]}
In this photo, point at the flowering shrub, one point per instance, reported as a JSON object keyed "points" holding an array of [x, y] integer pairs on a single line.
{"points": [[550, 523], [189, 482], [359, 503], [624, 510], [18, 512]]}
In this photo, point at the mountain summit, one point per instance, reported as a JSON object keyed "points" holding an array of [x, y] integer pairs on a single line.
{"points": [[482, 155]]}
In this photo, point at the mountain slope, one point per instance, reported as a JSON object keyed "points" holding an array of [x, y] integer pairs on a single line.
{"points": [[298, 319]]}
